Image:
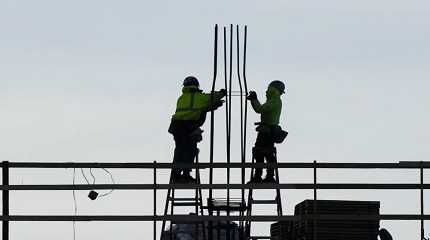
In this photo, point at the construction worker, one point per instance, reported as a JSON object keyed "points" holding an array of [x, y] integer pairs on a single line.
{"points": [[191, 109], [269, 132]]}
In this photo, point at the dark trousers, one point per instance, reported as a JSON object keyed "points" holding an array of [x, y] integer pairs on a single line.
{"points": [[185, 152], [264, 149]]}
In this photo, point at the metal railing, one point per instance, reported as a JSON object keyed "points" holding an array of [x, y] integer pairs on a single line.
{"points": [[154, 186]]}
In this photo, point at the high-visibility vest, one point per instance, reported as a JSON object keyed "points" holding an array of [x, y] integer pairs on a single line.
{"points": [[270, 110], [191, 104]]}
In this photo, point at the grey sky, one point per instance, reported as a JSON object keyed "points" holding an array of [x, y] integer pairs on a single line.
{"points": [[97, 81]]}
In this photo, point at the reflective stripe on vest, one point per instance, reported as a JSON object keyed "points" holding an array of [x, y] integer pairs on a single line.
{"points": [[190, 106]]}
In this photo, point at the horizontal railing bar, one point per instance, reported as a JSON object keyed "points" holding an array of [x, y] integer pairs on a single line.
{"points": [[161, 165], [194, 218], [388, 186]]}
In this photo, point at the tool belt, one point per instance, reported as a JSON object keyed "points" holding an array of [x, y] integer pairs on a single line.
{"points": [[196, 135], [186, 128], [276, 131]]}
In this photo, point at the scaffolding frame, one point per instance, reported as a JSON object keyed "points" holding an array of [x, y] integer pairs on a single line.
{"points": [[6, 218], [155, 186]]}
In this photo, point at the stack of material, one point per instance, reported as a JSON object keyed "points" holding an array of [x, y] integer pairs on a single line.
{"points": [[331, 229], [282, 230]]}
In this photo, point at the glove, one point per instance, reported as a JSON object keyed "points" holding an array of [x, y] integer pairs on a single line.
{"points": [[252, 95], [223, 91], [214, 106], [218, 104]]}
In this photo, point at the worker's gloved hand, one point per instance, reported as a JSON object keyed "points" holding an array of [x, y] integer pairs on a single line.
{"points": [[223, 91], [214, 106], [251, 95], [218, 104]]}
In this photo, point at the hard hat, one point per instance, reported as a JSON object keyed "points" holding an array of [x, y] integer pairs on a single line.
{"points": [[191, 81], [278, 85]]}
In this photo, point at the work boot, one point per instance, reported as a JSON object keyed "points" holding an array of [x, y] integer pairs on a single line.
{"points": [[269, 179], [176, 177], [256, 179], [188, 179]]}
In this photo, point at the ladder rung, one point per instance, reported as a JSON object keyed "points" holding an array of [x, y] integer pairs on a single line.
{"points": [[264, 201], [186, 204], [259, 237], [182, 199]]}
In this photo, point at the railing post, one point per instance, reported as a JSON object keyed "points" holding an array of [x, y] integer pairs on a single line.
{"points": [[5, 175], [422, 200], [155, 200], [314, 223]]}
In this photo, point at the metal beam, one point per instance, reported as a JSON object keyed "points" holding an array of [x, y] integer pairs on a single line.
{"points": [[400, 165], [218, 186], [194, 218]]}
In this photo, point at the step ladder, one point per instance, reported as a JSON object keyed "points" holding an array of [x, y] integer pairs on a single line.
{"points": [[252, 201], [195, 202]]}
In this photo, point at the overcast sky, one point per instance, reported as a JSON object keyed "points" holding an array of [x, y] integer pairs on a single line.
{"points": [[98, 81]]}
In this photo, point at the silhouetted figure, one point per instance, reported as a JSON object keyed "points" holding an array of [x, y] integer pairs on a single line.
{"points": [[191, 109], [269, 132], [384, 234]]}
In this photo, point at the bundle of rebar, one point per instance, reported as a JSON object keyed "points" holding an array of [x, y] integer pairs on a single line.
{"points": [[321, 229]]}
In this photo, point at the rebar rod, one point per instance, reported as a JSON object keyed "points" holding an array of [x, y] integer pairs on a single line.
{"points": [[246, 109], [211, 151], [227, 112], [229, 115]]}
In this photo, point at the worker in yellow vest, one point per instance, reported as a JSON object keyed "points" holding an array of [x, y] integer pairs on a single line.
{"points": [[191, 109], [269, 131]]}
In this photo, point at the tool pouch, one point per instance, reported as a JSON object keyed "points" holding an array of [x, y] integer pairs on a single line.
{"points": [[279, 135], [196, 135]]}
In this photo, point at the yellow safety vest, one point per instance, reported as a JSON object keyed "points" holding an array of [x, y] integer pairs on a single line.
{"points": [[191, 104]]}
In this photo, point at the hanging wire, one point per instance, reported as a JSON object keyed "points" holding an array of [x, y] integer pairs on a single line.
{"points": [[92, 175], [85, 177], [113, 182]]}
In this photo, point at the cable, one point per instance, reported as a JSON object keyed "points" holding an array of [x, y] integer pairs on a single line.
{"points": [[83, 174], [92, 175], [94, 180], [113, 182]]}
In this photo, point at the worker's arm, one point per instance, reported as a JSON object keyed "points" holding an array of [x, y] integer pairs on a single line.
{"points": [[257, 106], [218, 95], [214, 99], [261, 108]]}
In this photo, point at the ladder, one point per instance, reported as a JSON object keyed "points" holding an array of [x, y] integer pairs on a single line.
{"points": [[173, 201], [252, 201]]}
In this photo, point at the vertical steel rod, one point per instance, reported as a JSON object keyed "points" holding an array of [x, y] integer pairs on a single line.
{"points": [[245, 117], [227, 113], [241, 94], [211, 153], [422, 201], [155, 200], [5, 200]]}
